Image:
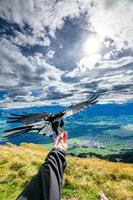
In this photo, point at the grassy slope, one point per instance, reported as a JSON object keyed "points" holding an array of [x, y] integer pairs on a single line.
{"points": [[84, 178]]}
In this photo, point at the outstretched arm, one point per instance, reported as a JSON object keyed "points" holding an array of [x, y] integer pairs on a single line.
{"points": [[47, 184]]}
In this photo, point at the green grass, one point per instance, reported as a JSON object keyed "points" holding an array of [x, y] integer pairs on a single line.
{"points": [[84, 179]]}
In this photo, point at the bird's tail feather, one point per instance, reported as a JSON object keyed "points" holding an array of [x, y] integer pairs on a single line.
{"points": [[16, 134], [19, 130]]}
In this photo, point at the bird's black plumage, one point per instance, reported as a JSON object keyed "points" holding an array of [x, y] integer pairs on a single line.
{"points": [[45, 123]]}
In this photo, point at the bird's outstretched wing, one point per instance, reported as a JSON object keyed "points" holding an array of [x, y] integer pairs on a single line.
{"points": [[40, 122], [30, 122], [80, 106], [26, 118]]}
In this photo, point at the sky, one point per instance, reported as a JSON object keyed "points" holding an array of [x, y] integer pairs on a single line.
{"points": [[58, 52]]}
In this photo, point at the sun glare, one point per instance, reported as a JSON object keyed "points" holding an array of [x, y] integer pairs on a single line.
{"points": [[92, 45]]}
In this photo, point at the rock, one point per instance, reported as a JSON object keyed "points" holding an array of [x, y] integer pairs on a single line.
{"points": [[103, 196]]}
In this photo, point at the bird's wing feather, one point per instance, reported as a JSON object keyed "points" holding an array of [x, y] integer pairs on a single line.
{"points": [[43, 127], [27, 118], [80, 106]]}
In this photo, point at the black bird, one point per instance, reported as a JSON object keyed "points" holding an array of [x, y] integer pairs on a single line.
{"points": [[45, 123]]}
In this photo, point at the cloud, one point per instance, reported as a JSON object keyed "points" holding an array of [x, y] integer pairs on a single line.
{"points": [[24, 39], [50, 54], [84, 65], [22, 74], [128, 127], [38, 14], [113, 19], [45, 55], [112, 79]]}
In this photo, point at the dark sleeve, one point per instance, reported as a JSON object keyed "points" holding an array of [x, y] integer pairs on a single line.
{"points": [[47, 184]]}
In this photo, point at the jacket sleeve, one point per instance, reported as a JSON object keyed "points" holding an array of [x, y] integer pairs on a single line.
{"points": [[47, 184]]}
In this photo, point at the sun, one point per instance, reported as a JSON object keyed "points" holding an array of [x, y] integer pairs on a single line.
{"points": [[92, 45]]}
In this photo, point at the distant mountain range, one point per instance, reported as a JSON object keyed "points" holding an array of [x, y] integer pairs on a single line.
{"points": [[104, 130]]}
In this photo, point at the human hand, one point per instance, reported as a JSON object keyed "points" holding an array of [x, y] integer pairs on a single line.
{"points": [[61, 141]]}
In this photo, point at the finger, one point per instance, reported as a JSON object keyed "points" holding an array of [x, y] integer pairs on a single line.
{"points": [[65, 136], [56, 140]]}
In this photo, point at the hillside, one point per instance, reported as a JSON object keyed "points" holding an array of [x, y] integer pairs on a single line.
{"points": [[85, 178]]}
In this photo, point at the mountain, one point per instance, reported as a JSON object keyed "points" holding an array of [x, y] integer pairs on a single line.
{"points": [[100, 129]]}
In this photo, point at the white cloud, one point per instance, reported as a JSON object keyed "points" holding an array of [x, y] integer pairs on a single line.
{"points": [[115, 98], [10, 55], [128, 127], [24, 39], [38, 14], [50, 54], [107, 82], [15, 66], [26, 74], [84, 66], [114, 21], [11, 104]]}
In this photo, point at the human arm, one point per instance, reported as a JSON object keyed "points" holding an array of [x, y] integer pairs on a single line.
{"points": [[47, 183]]}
